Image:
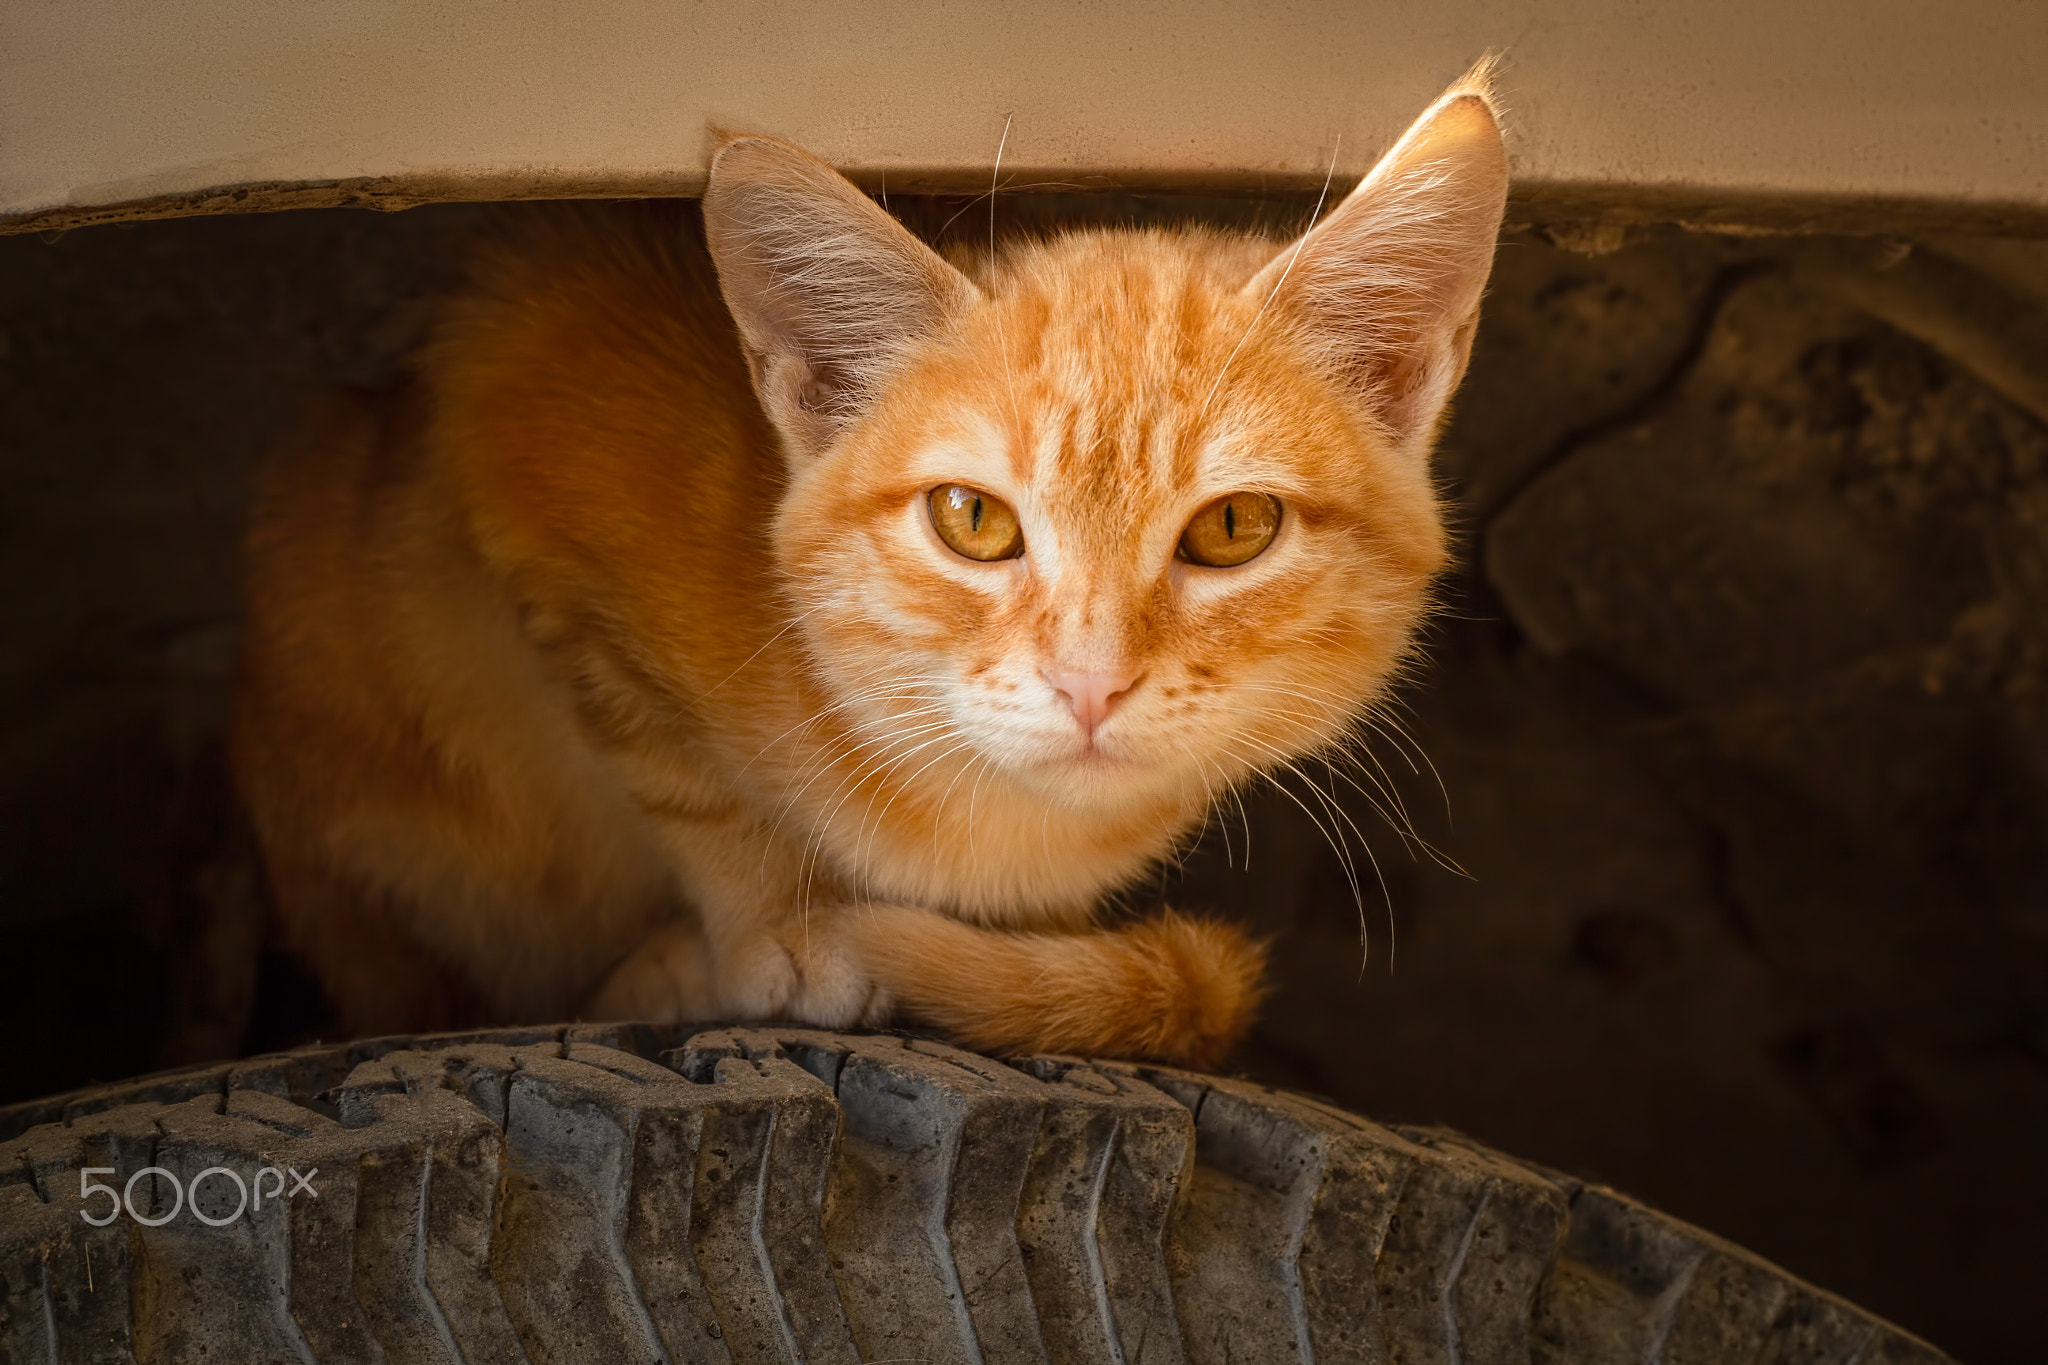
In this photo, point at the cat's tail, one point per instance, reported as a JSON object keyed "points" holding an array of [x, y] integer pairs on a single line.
{"points": [[1171, 988]]}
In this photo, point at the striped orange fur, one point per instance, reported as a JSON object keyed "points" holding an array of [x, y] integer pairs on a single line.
{"points": [[616, 667]]}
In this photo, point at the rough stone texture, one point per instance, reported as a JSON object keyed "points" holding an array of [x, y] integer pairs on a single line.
{"points": [[1736, 714]]}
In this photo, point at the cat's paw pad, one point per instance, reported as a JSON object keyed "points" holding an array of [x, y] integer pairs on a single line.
{"points": [[763, 978], [757, 978]]}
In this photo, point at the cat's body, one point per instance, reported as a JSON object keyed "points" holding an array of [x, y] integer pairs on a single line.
{"points": [[578, 679]]}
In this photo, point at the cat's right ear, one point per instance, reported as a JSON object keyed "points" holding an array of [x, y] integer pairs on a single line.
{"points": [[827, 289], [1389, 284]]}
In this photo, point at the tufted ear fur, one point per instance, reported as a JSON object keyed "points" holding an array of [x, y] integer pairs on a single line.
{"points": [[826, 288], [1388, 285]]}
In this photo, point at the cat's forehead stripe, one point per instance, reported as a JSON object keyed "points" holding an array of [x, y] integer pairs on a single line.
{"points": [[1130, 336], [1051, 437]]}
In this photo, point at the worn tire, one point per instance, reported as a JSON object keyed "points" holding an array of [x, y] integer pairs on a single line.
{"points": [[634, 1193]]}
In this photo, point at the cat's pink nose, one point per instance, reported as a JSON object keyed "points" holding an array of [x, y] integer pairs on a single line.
{"points": [[1092, 696]]}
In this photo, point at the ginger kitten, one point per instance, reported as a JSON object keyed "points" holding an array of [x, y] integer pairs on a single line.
{"points": [[790, 623]]}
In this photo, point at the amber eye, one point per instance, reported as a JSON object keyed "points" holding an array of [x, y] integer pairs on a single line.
{"points": [[975, 524], [1231, 530]]}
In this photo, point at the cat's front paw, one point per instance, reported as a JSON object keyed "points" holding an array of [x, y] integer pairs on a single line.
{"points": [[806, 977]]}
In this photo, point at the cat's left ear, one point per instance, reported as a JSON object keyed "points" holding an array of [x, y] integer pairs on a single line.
{"points": [[827, 289], [1389, 283]]}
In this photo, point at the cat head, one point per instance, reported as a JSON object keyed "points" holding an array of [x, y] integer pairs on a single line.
{"points": [[1127, 514]]}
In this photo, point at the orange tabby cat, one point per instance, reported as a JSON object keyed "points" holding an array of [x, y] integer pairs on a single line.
{"points": [[820, 636]]}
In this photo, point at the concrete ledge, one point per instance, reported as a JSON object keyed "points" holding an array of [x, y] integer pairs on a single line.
{"points": [[1881, 115]]}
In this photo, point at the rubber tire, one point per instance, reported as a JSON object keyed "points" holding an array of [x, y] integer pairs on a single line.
{"points": [[640, 1193]]}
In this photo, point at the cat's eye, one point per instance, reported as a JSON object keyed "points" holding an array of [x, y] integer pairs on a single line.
{"points": [[1231, 530], [974, 524]]}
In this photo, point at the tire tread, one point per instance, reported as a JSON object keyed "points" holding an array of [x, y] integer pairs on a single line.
{"points": [[731, 1195]]}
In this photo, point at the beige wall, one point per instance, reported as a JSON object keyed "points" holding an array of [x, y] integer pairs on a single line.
{"points": [[1764, 110]]}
